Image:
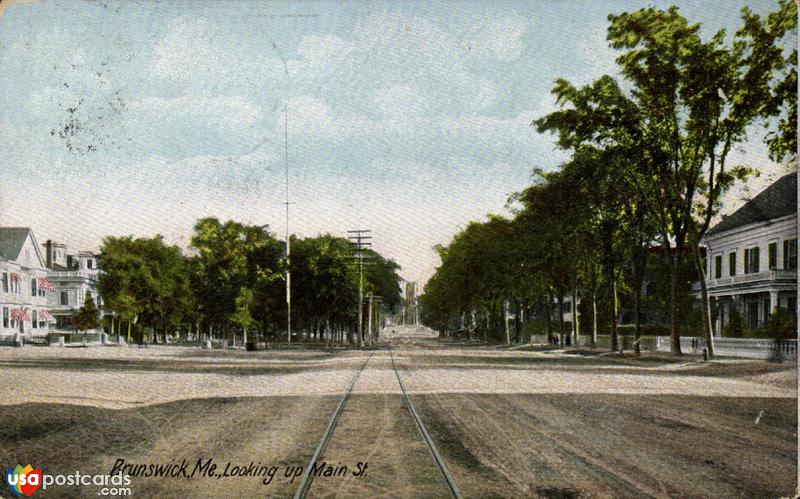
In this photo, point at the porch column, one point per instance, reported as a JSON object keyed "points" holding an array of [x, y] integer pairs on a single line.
{"points": [[773, 302]]}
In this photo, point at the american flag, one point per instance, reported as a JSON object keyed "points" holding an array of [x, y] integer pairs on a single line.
{"points": [[46, 316], [19, 314], [45, 284]]}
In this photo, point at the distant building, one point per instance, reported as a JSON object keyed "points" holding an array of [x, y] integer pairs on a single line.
{"points": [[751, 257], [72, 275], [410, 309], [25, 286]]}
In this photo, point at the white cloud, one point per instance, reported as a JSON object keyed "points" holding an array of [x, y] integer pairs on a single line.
{"points": [[499, 39], [233, 111], [400, 101]]}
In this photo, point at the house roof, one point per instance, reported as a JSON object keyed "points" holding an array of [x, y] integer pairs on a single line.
{"points": [[11, 241], [776, 201]]}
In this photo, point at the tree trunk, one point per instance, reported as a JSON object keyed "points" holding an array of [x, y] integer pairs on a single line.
{"points": [[638, 268], [594, 318], [472, 324], [505, 322], [560, 318], [707, 330], [675, 330], [486, 331], [548, 322], [610, 278], [575, 325], [613, 309]]}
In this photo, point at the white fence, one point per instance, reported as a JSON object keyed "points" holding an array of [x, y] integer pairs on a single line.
{"points": [[751, 348]]}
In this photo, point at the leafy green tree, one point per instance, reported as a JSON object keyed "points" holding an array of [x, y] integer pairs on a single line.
{"points": [[145, 281], [688, 104], [767, 48], [243, 316], [232, 257], [88, 316]]}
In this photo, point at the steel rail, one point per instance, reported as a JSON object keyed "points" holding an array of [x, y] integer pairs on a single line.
{"points": [[305, 482], [451, 483]]}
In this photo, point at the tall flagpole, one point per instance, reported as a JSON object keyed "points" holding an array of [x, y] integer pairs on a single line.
{"points": [[288, 241], [286, 165]]}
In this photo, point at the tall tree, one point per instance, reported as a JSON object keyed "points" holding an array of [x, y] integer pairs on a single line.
{"points": [[687, 106]]}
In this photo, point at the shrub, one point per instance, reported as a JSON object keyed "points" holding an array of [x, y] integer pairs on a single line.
{"points": [[735, 327], [782, 324]]}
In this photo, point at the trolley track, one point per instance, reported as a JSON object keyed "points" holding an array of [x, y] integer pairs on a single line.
{"points": [[307, 478]]}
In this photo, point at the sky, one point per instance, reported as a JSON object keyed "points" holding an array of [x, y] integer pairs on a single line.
{"points": [[407, 118]]}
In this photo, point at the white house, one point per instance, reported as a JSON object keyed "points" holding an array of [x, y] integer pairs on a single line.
{"points": [[73, 275], [24, 284], [751, 257]]}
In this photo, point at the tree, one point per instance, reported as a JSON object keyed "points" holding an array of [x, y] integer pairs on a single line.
{"points": [[767, 48], [146, 282], [688, 103], [243, 317], [88, 316], [231, 257]]}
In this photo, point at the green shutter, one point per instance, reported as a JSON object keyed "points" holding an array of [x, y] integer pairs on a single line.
{"points": [[754, 259], [773, 255]]}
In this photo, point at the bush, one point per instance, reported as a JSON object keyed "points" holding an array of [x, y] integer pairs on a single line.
{"points": [[782, 324], [735, 327], [536, 326]]}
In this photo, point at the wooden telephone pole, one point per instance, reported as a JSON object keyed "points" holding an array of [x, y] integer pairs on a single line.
{"points": [[360, 239]]}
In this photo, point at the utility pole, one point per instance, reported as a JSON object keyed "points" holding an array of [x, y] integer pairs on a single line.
{"points": [[360, 239], [369, 321], [372, 337]]}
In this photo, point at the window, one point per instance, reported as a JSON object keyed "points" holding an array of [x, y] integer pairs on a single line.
{"points": [[790, 254], [35, 319], [89, 263], [751, 260], [5, 317], [773, 255], [34, 291], [5, 282], [64, 298], [717, 266], [732, 264]]}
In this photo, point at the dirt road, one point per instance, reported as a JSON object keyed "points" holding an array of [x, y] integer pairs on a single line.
{"points": [[508, 422]]}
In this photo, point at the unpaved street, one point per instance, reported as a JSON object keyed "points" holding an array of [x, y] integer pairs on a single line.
{"points": [[507, 422]]}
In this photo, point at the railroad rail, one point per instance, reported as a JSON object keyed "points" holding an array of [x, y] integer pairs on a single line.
{"points": [[305, 482], [448, 478], [307, 479]]}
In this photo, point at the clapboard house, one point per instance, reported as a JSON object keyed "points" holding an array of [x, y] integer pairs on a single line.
{"points": [[73, 275], [24, 286], [751, 257]]}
